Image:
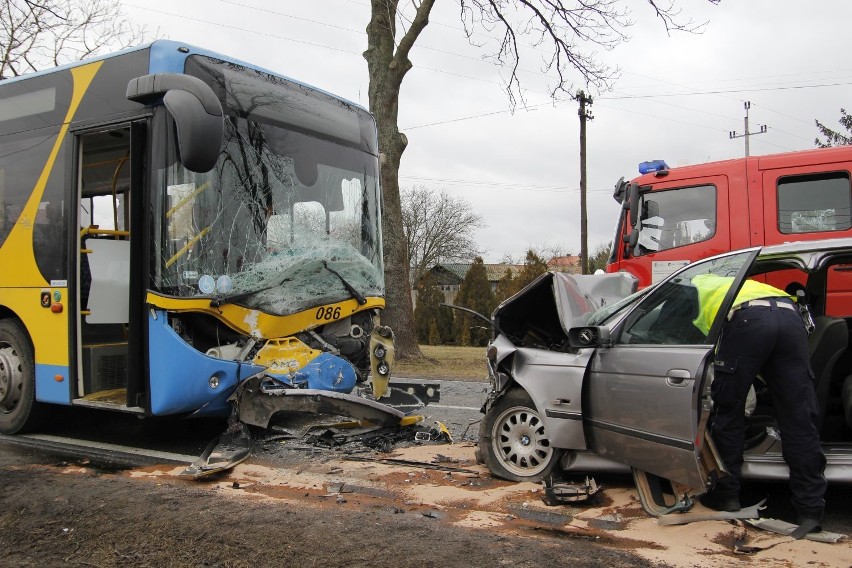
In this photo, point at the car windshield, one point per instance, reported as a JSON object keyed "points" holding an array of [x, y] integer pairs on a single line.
{"points": [[289, 217]]}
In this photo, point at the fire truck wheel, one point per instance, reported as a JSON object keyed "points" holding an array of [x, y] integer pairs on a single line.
{"points": [[512, 440], [19, 411]]}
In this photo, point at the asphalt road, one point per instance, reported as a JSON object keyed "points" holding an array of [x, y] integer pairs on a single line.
{"points": [[118, 440]]}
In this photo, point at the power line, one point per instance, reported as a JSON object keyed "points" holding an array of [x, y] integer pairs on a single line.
{"points": [[508, 186], [491, 113], [728, 91]]}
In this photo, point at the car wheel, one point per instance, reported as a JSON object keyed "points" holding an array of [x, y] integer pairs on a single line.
{"points": [[513, 442], [19, 410]]}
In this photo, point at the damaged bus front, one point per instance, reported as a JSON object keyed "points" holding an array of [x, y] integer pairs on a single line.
{"points": [[272, 258], [191, 222]]}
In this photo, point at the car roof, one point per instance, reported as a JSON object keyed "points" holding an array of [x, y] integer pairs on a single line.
{"points": [[810, 254]]}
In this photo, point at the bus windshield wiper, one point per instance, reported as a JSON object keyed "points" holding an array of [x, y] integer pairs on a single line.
{"points": [[355, 293]]}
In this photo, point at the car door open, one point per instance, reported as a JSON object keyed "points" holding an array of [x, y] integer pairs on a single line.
{"points": [[648, 391]]}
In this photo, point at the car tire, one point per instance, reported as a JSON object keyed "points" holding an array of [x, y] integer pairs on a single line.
{"points": [[19, 410], [513, 442]]}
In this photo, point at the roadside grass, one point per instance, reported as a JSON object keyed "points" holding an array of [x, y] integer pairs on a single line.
{"points": [[445, 362]]}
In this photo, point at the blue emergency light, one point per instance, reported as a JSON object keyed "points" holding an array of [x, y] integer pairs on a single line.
{"points": [[653, 166]]}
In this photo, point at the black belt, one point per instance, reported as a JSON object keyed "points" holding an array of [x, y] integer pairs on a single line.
{"points": [[784, 303]]}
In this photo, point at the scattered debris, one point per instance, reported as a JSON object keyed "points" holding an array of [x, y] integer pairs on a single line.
{"points": [[259, 398], [319, 418], [226, 451], [608, 522], [440, 433], [569, 532], [337, 488], [560, 493], [741, 546], [410, 463], [539, 516], [441, 458], [787, 529], [752, 512]]}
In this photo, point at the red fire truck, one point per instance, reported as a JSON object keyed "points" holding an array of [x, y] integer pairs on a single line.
{"points": [[672, 216]]}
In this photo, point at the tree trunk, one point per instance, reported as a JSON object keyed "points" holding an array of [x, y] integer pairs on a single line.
{"points": [[387, 67]]}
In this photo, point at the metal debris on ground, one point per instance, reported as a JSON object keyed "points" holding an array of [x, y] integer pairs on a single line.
{"points": [[752, 512], [380, 439], [320, 418], [441, 458], [223, 453], [411, 463], [562, 492], [787, 529]]}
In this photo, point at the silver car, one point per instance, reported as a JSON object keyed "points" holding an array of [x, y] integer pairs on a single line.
{"points": [[583, 387]]}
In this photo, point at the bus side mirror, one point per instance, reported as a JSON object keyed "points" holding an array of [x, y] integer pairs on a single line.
{"points": [[196, 110], [620, 191], [630, 204], [633, 203], [631, 240]]}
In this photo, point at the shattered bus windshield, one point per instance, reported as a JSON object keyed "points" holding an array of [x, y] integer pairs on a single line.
{"points": [[289, 217]]}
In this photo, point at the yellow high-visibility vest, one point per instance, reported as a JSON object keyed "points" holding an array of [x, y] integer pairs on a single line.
{"points": [[712, 289]]}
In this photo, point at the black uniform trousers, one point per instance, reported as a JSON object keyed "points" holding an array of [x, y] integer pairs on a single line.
{"points": [[773, 342]]}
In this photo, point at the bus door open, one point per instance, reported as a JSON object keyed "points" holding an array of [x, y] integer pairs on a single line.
{"points": [[104, 277]]}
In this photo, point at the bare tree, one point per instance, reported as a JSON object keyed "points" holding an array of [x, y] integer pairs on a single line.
{"points": [[835, 137], [570, 30], [438, 228], [35, 35]]}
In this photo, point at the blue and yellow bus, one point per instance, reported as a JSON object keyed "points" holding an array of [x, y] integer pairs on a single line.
{"points": [[171, 222]]}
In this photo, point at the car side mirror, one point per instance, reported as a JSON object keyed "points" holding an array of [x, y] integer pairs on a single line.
{"points": [[197, 112], [584, 337]]}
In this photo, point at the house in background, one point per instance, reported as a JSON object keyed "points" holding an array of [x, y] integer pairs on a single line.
{"points": [[450, 276], [569, 264]]}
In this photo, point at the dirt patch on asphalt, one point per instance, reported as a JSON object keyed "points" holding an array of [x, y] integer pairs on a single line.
{"points": [[78, 517], [310, 508]]}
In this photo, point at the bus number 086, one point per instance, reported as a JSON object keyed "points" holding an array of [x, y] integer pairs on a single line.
{"points": [[328, 313]]}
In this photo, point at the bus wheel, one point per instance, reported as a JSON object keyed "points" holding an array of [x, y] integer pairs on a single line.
{"points": [[19, 410]]}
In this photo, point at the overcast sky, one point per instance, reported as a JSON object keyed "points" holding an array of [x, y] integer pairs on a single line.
{"points": [[677, 98]]}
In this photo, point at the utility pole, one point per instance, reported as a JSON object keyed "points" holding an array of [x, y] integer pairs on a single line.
{"points": [[585, 114], [733, 134]]}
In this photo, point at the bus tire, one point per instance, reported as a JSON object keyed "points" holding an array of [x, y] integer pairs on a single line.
{"points": [[19, 410]]}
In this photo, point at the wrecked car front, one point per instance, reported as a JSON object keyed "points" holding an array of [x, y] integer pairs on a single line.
{"points": [[531, 351]]}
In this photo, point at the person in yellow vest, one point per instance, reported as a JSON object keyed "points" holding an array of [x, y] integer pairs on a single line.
{"points": [[763, 333]]}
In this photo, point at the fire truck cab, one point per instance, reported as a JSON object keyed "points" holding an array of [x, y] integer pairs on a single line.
{"points": [[673, 216]]}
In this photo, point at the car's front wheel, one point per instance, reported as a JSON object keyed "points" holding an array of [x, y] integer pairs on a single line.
{"points": [[513, 442]]}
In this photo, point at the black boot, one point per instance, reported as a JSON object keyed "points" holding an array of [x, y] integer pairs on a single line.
{"points": [[720, 502]]}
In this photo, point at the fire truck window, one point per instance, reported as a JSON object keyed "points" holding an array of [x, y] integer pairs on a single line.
{"points": [[676, 217], [814, 203]]}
